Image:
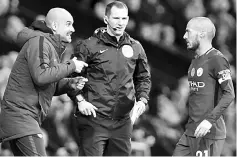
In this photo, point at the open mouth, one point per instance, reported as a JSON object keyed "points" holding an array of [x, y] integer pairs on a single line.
{"points": [[69, 34]]}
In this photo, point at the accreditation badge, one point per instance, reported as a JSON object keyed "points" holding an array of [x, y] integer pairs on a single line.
{"points": [[127, 51]]}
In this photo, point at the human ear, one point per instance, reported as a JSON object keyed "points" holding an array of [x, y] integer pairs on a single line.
{"points": [[202, 34], [54, 26], [106, 19]]}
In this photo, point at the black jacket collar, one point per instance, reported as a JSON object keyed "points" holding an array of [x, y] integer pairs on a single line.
{"points": [[102, 35]]}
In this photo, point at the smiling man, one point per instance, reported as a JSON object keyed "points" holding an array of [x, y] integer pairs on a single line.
{"points": [[118, 76], [37, 75], [61, 22]]}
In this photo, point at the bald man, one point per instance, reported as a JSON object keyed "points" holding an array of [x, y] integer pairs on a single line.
{"points": [[211, 92], [60, 21], [36, 77]]}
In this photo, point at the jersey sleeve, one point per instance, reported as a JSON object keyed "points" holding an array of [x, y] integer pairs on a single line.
{"points": [[221, 69], [221, 72]]}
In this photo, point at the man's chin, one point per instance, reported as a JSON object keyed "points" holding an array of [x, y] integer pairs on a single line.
{"points": [[191, 49], [67, 40], [119, 33]]}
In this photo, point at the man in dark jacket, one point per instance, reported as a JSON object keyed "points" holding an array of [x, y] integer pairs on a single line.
{"points": [[118, 76], [36, 77]]}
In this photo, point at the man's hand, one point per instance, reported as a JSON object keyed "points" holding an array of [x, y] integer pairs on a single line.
{"points": [[203, 128], [79, 65], [141, 108], [78, 82], [138, 109], [86, 108]]}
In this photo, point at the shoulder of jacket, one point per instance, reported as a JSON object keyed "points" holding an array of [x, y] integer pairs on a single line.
{"points": [[134, 41], [90, 42], [40, 41], [39, 38], [36, 40], [136, 44]]}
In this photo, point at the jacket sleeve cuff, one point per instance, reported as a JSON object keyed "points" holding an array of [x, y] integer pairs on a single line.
{"points": [[71, 65], [144, 100], [210, 119], [73, 95], [142, 95]]}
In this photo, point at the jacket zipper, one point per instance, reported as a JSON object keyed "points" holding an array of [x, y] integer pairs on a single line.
{"points": [[60, 58], [116, 89]]}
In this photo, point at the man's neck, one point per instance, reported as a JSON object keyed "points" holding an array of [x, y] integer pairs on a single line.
{"points": [[203, 49], [111, 34]]}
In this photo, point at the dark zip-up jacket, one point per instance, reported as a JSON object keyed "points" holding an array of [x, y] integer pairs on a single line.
{"points": [[35, 78], [118, 73]]}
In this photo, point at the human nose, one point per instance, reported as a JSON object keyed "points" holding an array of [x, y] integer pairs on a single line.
{"points": [[72, 29], [185, 36], [121, 22]]}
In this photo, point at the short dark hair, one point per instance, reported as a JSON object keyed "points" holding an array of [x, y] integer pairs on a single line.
{"points": [[117, 4]]}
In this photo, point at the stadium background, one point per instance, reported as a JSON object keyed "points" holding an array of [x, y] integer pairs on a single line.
{"points": [[159, 25]]}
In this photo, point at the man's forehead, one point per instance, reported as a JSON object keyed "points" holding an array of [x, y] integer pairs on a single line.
{"points": [[193, 27], [66, 18], [200, 25], [115, 11]]}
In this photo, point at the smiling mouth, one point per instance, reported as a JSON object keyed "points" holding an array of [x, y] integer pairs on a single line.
{"points": [[119, 28]]}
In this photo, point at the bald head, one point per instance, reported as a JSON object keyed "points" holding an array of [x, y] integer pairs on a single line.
{"points": [[203, 25], [60, 21], [56, 15]]}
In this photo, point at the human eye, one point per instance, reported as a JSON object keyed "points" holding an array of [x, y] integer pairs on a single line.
{"points": [[68, 24], [124, 18], [187, 31]]}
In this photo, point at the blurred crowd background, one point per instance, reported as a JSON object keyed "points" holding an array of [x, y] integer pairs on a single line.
{"points": [[159, 25]]}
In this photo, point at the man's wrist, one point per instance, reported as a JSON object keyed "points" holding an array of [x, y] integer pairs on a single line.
{"points": [[144, 100], [80, 98]]}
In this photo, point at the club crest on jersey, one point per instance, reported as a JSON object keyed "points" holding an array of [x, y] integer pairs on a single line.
{"points": [[192, 72], [224, 75], [127, 51], [199, 72]]}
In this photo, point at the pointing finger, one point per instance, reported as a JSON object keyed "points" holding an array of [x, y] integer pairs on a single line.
{"points": [[93, 112], [95, 108], [74, 58], [85, 64]]}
